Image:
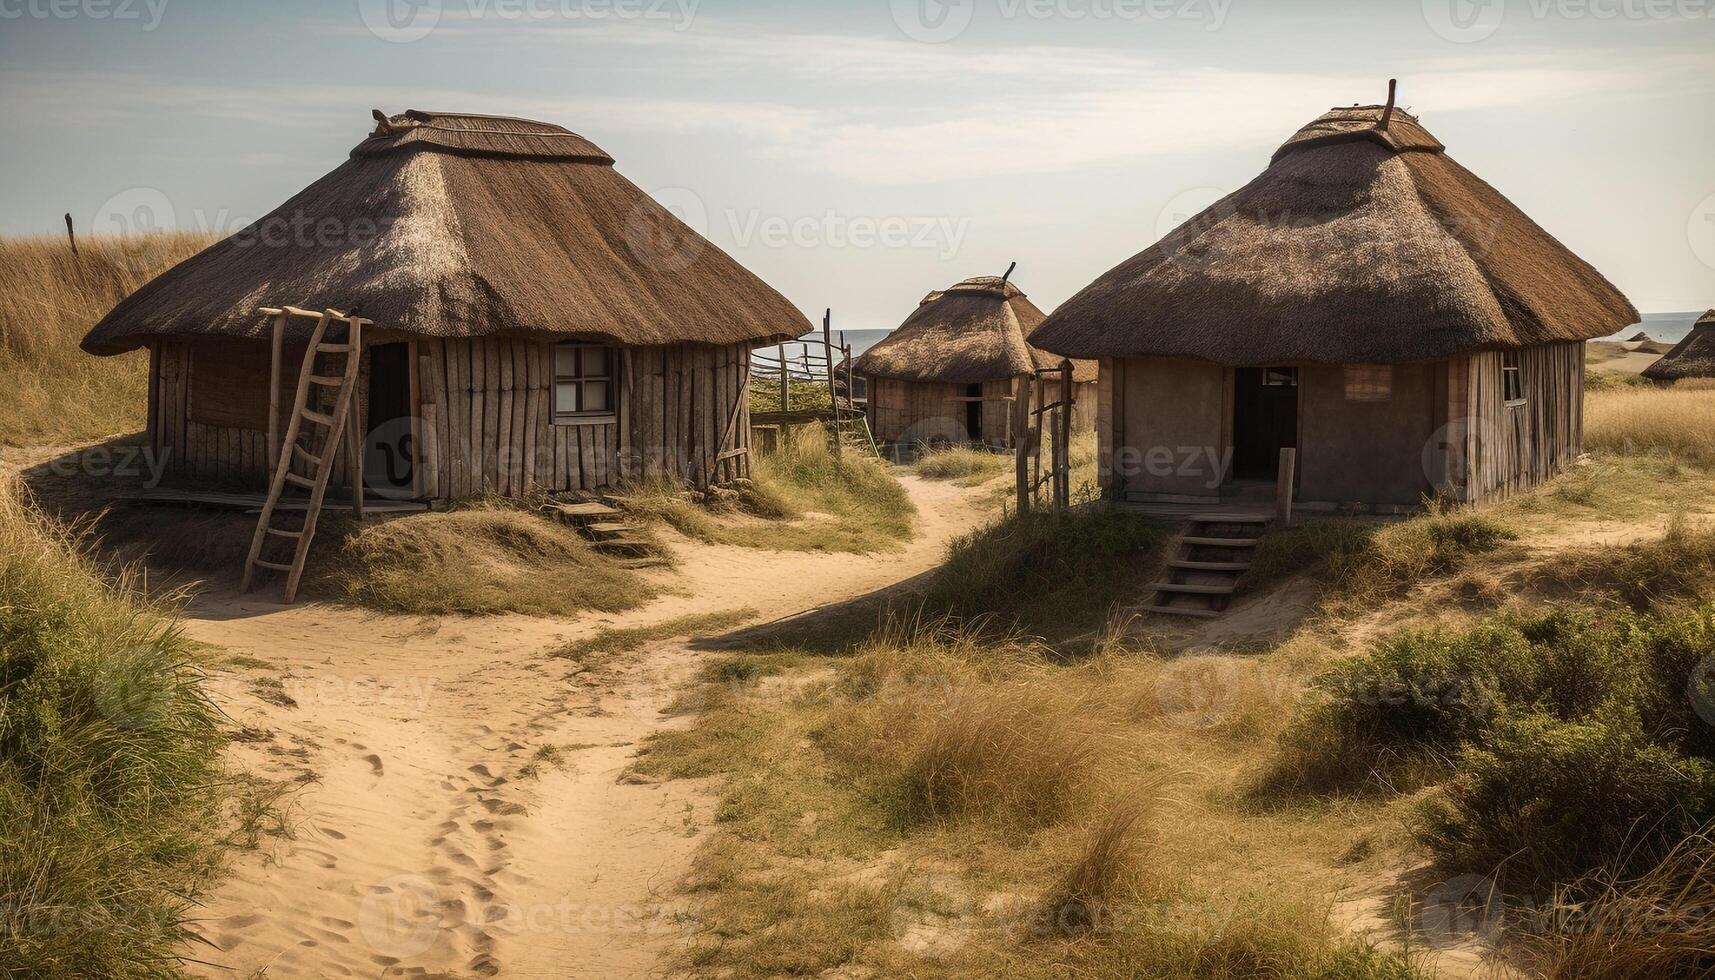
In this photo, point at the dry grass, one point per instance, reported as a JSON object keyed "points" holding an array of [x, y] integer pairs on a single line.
{"points": [[111, 792], [634, 637], [804, 497], [1679, 421], [965, 465], [54, 392]]}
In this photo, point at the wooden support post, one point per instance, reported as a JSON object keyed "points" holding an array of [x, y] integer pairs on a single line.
{"points": [[354, 425], [1283, 487], [1063, 439], [828, 350], [785, 435], [1019, 422], [276, 351], [71, 234]]}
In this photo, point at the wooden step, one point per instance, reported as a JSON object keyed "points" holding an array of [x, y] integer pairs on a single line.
{"points": [[609, 528], [1194, 589], [1222, 542], [1210, 566], [296, 480], [319, 418], [1182, 611], [1231, 518]]}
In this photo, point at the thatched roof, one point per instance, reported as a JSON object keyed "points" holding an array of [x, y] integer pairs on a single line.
{"points": [[1355, 245], [1640, 338], [457, 225], [968, 333], [1693, 357]]}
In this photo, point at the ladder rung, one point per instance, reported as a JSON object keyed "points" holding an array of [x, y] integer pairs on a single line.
{"points": [[333, 348], [317, 379], [278, 533], [305, 482], [1194, 589], [319, 418], [276, 566], [307, 456]]}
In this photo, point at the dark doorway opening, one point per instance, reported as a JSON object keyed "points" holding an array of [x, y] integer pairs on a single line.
{"points": [[388, 451], [974, 412], [1265, 420]]}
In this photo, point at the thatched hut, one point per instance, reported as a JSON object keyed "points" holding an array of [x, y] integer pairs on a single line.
{"points": [[538, 321], [1365, 300], [1693, 357], [953, 369]]}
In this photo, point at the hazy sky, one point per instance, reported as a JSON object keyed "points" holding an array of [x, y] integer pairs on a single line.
{"points": [[857, 154]]}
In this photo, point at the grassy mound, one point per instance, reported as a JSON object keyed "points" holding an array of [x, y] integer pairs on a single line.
{"points": [[109, 772], [1574, 740], [54, 392], [1362, 564], [1051, 575], [962, 464], [804, 497]]}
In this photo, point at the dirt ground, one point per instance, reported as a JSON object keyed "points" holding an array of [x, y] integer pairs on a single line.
{"points": [[427, 836]]}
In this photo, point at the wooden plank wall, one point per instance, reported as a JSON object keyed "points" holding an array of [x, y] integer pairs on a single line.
{"points": [[1110, 423], [1510, 448], [916, 411], [492, 425], [486, 420]]}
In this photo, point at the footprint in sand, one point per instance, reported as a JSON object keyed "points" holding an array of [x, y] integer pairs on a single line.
{"points": [[374, 762], [336, 835]]}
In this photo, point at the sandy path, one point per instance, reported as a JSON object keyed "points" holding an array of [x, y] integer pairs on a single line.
{"points": [[422, 845]]}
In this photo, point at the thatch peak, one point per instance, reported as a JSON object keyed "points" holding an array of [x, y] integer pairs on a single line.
{"points": [[970, 332], [465, 225], [477, 135], [1357, 244], [1693, 357]]}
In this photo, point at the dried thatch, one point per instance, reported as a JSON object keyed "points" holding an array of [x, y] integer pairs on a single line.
{"points": [[966, 334], [1693, 357], [1640, 338], [1355, 245], [453, 225]]}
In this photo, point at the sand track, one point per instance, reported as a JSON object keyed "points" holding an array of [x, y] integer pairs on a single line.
{"points": [[427, 837]]}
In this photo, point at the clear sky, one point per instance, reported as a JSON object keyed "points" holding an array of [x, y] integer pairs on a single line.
{"points": [[857, 154]]}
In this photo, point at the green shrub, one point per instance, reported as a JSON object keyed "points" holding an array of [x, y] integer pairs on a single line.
{"points": [[109, 765], [1545, 800]]}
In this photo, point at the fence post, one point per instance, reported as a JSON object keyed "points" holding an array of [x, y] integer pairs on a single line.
{"points": [[1283, 487], [1063, 438], [833, 402]]}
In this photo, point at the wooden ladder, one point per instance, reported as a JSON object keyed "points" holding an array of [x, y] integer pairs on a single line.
{"points": [[320, 466]]}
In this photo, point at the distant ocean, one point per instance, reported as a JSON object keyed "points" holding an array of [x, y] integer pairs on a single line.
{"points": [[1667, 327]]}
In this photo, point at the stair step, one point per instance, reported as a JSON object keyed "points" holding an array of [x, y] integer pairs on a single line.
{"points": [[1194, 589], [1210, 566], [609, 527], [1182, 611], [1222, 542], [642, 562], [583, 510], [1231, 518]]}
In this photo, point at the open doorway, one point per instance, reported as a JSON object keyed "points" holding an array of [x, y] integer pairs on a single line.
{"points": [[974, 412], [388, 451], [1265, 420]]}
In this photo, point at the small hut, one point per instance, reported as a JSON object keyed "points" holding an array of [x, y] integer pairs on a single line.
{"points": [[538, 321], [952, 371], [1693, 357], [1365, 301]]}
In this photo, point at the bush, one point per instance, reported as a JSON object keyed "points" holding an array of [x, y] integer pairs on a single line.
{"points": [[109, 765], [1549, 800]]}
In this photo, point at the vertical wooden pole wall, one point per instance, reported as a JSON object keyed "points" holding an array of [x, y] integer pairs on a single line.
{"points": [[1063, 440], [277, 350]]}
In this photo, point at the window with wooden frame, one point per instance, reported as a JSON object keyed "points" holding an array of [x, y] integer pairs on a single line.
{"points": [[584, 386], [1369, 382], [1512, 378]]}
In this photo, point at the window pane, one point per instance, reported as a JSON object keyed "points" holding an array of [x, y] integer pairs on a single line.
{"points": [[595, 362], [595, 396], [566, 361], [1280, 377], [566, 397]]}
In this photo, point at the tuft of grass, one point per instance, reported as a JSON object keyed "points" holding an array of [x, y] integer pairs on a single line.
{"points": [[1100, 878], [1679, 420], [805, 497], [967, 466], [1045, 573], [1678, 565], [484, 559], [1362, 564], [610, 641], [49, 299], [111, 792]]}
